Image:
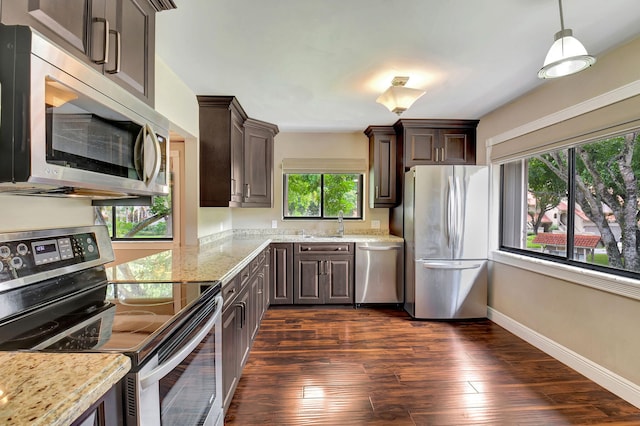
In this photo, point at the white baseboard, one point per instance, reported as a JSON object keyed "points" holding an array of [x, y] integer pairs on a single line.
{"points": [[609, 380]]}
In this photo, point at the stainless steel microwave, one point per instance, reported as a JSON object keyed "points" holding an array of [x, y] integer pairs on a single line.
{"points": [[67, 130]]}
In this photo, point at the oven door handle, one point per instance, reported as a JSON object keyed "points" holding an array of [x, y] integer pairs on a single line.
{"points": [[170, 364]]}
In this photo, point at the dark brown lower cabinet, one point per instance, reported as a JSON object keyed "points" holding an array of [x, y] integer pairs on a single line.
{"points": [[323, 273], [281, 287], [244, 305]]}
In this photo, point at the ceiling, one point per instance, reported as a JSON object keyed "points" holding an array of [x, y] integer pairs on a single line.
{"points": [[319, 65]]}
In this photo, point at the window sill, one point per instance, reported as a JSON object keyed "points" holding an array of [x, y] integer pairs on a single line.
{"points": [[142, 245], [621, 286]]}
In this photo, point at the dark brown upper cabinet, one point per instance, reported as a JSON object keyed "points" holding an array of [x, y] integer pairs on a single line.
{"points": [[258, 163], [434, 142], [117, 37], [384, 166], [236, 155]]}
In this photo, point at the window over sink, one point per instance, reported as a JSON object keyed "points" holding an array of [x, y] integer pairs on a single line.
{"points": [[322, 195]]}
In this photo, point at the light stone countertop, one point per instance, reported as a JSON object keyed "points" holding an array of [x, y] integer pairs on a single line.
{"points": [[54, 388], [216, 260]]}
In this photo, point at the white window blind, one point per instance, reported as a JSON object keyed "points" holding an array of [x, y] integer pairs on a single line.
{"points": [[324, 165]]}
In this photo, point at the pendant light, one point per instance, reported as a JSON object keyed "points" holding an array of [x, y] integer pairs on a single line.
{"points": [[398, 98], [566, 55]]}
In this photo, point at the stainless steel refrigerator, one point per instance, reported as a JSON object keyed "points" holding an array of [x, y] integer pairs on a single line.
{"points": [[445, 231]]}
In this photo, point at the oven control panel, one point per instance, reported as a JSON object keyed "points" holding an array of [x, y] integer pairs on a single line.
{"points": [[26, 256]]}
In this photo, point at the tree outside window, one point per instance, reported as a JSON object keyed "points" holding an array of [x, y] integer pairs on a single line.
{"points": [[153, 222], [584, 198], [322, 195]]}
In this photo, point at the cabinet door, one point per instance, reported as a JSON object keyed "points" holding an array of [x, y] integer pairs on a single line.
{"points": [[237, 162], [382, 171], [66, 22], [307, 283], [281, 291], [458, 146], [339, 280], [258, 167], [131, 45], [244, 339], [266, 293], [420, 146], [230, 351]]}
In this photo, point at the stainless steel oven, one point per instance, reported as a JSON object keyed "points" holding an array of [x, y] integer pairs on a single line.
{"points": [[67, 130], [54, 296]]}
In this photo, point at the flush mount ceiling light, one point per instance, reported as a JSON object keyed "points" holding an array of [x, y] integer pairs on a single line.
{"points": [[398, 98], [566, 56]]}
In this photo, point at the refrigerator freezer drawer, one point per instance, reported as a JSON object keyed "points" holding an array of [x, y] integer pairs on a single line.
{"points": [[453, 289], [380, 273]]}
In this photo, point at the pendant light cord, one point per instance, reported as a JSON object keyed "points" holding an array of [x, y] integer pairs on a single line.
{"points": [[561, 17]]}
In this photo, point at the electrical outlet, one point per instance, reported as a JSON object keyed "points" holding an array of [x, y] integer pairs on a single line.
{"points": [[375, 224], [274, 224]]}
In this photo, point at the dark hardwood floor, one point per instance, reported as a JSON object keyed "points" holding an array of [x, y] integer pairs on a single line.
{"points": [[345, 366]]}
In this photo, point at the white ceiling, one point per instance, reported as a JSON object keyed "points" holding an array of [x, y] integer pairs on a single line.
{"points": [[319, 65]]}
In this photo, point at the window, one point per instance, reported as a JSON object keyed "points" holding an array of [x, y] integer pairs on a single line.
{"points": [[577, 205], [152, 222], [322, 195]]}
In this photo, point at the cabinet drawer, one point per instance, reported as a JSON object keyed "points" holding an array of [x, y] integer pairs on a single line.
{"points": [[258, 261], [230, 292], [323, 248]]}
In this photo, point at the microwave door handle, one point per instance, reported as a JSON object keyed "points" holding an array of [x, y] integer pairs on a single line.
{"points": [[169, 365], [157, 156]]}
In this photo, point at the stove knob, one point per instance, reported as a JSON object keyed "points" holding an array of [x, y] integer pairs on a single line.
{"points": [[22, 249], [16, 262], [1, 266], [5, 251]]}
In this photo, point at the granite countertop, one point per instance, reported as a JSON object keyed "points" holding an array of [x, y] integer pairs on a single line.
{"points": [[216, 260], [54, 388]]}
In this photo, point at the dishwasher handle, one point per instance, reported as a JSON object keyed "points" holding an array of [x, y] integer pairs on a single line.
{"points": [[379, 248]]}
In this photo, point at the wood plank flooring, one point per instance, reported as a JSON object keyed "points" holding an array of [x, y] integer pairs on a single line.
{"points": [[345, 366]]}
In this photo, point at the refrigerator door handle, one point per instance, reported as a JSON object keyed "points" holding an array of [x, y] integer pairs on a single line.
{"points": [[459, 216], [449, 214], [449, 265]]}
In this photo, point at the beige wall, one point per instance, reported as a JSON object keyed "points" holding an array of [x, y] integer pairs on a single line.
{"points": [[600, 326], [25, 213], [613, 70], [311, 145]]}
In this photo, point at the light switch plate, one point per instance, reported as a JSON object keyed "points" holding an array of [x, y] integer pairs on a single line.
{"points": [[274, 224], [375, 224]]}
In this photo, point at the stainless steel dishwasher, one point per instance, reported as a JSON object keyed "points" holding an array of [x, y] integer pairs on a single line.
{"points": [[380, 273]]}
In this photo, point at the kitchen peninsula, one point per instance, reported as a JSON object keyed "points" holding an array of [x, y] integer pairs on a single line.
{"points": [[55, 389]]}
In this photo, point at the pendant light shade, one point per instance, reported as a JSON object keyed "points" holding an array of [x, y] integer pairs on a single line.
{"points": [[398, 98], [566, 55]]}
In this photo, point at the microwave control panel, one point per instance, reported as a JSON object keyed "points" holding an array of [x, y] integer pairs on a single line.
{"points": [[24, 257]]}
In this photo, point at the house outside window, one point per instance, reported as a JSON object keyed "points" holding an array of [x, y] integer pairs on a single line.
{"points": [[576, 205], [138, 222]]}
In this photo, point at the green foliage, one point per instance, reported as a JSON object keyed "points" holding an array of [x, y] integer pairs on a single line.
{"points": [[322, 195], [303, 195], [546, 186], [341, 193]]}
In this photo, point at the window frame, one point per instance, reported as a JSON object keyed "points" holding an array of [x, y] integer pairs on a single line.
{"points": [[567, 259], [360, 201]]}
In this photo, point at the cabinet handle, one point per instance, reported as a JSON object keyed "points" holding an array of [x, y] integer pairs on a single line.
{"points": [[377, 191], [442, 154], [248, 190], [116, 68], [327, 269], [105, 42]]}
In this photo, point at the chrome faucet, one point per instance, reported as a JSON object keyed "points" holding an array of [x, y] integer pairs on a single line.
{"points": [[341, 223]]}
